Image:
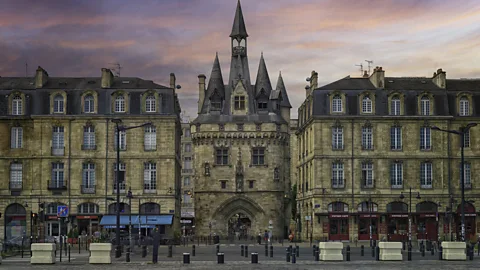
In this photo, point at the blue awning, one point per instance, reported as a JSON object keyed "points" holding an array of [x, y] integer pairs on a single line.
{"points": [[144, 226], [156, 220], [112, 220]]}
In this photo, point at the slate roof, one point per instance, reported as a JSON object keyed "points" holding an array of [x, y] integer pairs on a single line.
{"points": [[238, 28]]}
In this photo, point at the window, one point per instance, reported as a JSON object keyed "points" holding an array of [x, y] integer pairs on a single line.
{"points": [[396, 175], [426, 175], [221, 156], [216, 104], [57, 175], [396, 138], [150, 176], [395, 106], [367, 141], [337, 105], [16, 175], [262, 105], [337, 175], [337, 138], [150, 138], [186, 181], [120, 103], [187, 163], [123, 140], [425, 139], [223, 184], [58, 143], [58, 106], [258, 157], [366, 104], [150, 103], [467, 175], [239, 102], [250, 183], [187, 200], [88, 104], [16, 137], [221, 127], [240, 127], [258, 127], [367, 175], [338, 207], [88, 208], [122, 174], [186, 133], [425, 106], [464, 106], [466, 139], [188, 147], [88, 175], [17, 105], [89, 138]]}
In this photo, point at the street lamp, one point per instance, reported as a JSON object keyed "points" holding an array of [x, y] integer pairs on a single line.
{"points": [[118, 129], [410, 214], [130, 196], [461, 132]]}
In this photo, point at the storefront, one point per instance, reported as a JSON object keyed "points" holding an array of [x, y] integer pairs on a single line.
{"points": [[338, 221], [427, 221], [397, 221], [15, 222], [88, 218], [470, 216], [367, 221], [53, 223]]}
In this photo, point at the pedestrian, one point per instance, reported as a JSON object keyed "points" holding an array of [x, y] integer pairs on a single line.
{"points": [[265, 236]]}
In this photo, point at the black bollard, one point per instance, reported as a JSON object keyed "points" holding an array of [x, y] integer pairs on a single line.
{"points": [[22, 248], [266, 250], [348, 253], [246, 251], [362, 251], [79, 246], [66, 246], [217, 248], [409, 258], [440, 253], [471, 252], [127, 255], [242, 249], [432, 250], [220, 258], [317, 255], [186, 258], [69, 253], [478, 250], [287, 256], [377, 253], [314, 249], [144, 251], [61, 251], [193, 250], [170, 251], [404, 245], [271, 251], [373, 251], [254, 257], [294, 257], [423, 250], [298, 251]]}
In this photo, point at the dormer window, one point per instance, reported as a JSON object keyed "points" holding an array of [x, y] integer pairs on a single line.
{"points": [[216, 104], [150, 104], [337, 105], [239, 102], [464, 106], [119, 103], [17, 105], [395, 106], [58, 104], [262, 105], [425, 105], [89, 104], [366, 104]]}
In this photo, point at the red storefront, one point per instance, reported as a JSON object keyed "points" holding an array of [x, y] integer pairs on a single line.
{"points": [[367, 217], [427, 221], [338, 221], [397, 221], [470, 215]]}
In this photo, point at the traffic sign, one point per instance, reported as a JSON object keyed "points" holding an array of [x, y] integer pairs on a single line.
{"points": [[62, 211]]}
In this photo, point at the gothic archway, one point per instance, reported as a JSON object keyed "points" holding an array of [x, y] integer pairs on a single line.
{"points": [[239, 226]]}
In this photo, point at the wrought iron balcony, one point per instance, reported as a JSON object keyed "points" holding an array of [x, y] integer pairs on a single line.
{"points": [[57, 185], [16, 185], [89, 147], [88, 189]]}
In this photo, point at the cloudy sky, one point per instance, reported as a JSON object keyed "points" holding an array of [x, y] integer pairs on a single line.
{"points": [[150, 39]]}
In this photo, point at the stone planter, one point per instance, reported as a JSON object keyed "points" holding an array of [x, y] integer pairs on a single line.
{"points": [[43, 253], [331, 251], [100, 253], [454, 251], [390, 251]]}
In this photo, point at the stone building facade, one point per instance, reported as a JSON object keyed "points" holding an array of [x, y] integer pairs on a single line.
{"points": [[241, 146], [368, 156], [58, 148], [187, 207]]}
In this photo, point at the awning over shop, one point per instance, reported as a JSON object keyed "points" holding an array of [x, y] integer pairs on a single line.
{"points": [[112, 220], [145, 221], [155, 220]]}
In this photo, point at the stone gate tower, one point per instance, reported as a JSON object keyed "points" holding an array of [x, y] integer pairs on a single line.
{"points": [[241, 145]]}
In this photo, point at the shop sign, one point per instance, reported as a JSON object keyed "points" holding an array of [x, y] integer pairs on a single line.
{"points": [[399, 215], [428, 215], [470, 214], [87, 217], [53, 217], [338, 215], [368, 216], [186, 221]]}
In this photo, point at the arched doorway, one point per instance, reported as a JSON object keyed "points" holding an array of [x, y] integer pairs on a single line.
{"points": [[124, 209], [338, 221], [87, 218], [469, 221], [397, 221], [15, 221], [239, 226], [146, 209], [367, 220], [427, 221]]}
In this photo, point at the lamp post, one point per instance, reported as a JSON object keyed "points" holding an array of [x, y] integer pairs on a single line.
{"points": [[118, 129], [130, 196], [461, 132], [410, 214], [370, 208]]}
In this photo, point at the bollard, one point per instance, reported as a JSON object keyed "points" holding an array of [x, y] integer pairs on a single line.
{"points": [[127, 255], [193, 250], [377, 253], [404, 245], [409, 252], [317, 255], [294, 257], [217, 248], [186, 258], [242, 248], [440, 253], [432, 251], [362, 251], [314, 249], [65, 242], [298, 251], [220, 258], [170, 251], [271, 251], [423, 250], [287, 256], [144, 251], [69, 253], [79, 245], [373, 251], [348, 253], [254, 257], [471, 252], [266, 250], [246, 251]]}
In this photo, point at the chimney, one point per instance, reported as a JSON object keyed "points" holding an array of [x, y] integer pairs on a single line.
{"points": [[313, 80], [440, 78], [41, 77], [365, 74], [378, 77], [107, 78], [173, 80], [201, 91]]}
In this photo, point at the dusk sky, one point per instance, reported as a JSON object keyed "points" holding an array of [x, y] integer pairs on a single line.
{"points": [[151, 39]]}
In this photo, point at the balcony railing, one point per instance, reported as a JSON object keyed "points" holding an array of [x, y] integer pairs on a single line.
{"points": [[16, 185], [57, 185], [338, 183], [89, 147], [58, 151], [88, 189], [187, 170], [366, 184]]}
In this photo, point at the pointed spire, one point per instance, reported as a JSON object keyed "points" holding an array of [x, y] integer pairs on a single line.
{"points": [[238, 29], [216, 79], [263, 80], [281, 86]]}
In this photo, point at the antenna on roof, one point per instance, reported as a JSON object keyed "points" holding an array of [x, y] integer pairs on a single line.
{"points": [[370, 62], [117, 68], [361, 68], [26, 69]]}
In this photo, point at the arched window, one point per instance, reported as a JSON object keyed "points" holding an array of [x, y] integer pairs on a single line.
{"points": [[17, 105], [150, 103], [338, 207], [367, 207], [366, 105], [150, 209], [52, 208], [120, 103], [337, 105], [124, 208], [395, 105], [425, 105], [88, 104], [464, 106], [88, 208], [58, 104], [427, 207], [397, 207]]}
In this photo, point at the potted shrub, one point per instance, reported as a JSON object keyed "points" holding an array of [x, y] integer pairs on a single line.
{"points": [[73, 236]]}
